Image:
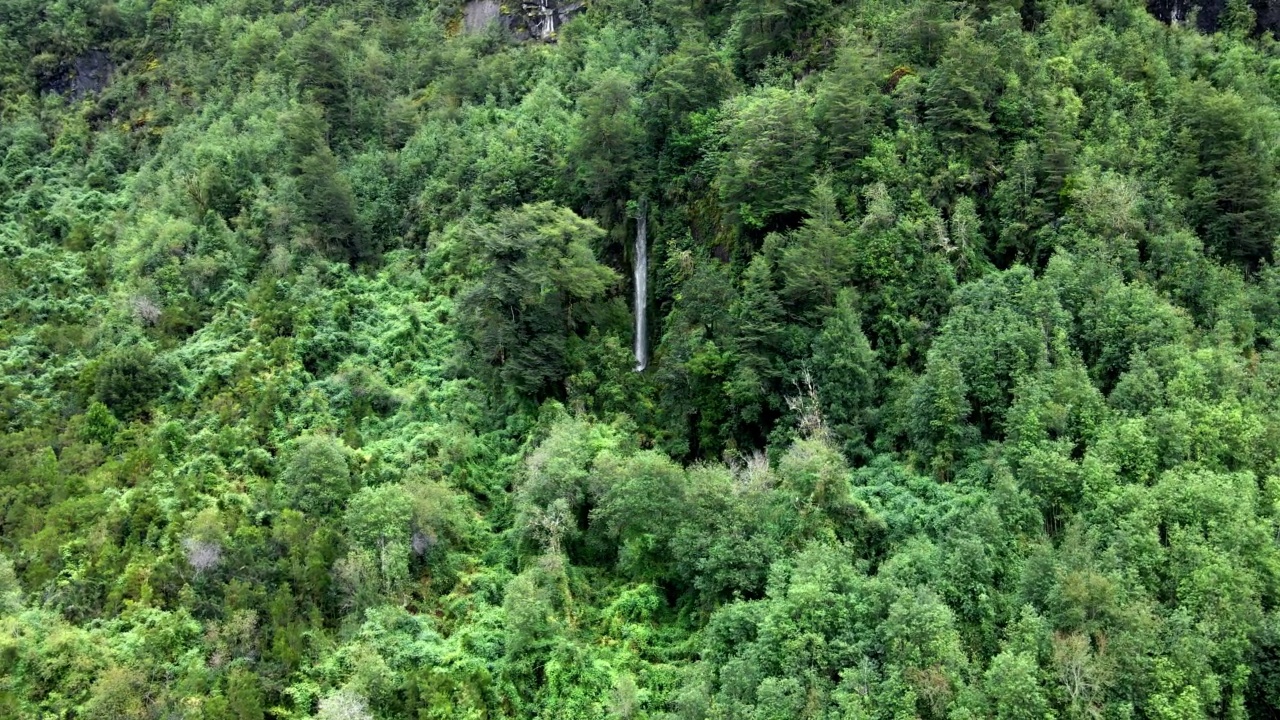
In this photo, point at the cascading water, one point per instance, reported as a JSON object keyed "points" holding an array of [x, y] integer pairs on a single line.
{"points": [[642, 287]]}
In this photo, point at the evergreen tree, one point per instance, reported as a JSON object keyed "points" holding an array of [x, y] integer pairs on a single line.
{"points": [[1229, 176], [539, 284], [767, 158]]}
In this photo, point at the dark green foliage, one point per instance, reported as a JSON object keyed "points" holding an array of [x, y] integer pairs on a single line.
{"points": [[606, 139], [847, 374], [128, 379], [849, 107], [817, 259], [939, 412], [329, 206], [318, 401], [1230, 176], [538, 288], [961, 96], [767, 157], [689, 79], [775, 27]]}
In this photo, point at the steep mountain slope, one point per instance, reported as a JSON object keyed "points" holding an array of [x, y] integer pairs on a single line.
{"points": [[319, 396]]}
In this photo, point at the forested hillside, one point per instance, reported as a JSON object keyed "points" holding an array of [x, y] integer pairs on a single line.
{"points": [[318, 396]]}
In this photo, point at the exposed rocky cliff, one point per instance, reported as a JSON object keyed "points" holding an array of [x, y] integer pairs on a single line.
{"points": [[1208, 15], [531, 20], [86, 74]]}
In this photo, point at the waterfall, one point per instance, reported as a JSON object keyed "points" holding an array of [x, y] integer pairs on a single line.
{"points": [[642, 287]]}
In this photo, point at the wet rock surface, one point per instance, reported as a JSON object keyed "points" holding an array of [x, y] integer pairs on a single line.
{"points": [[86, 74], [532, 19]]}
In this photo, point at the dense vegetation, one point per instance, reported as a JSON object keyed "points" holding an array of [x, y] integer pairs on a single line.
{"points": [[318, 399]]}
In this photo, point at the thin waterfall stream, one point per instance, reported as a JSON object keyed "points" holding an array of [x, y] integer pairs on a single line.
{"points": [[642, 287]]}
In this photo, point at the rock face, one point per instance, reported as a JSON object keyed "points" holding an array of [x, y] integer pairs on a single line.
{"points": [[1207, 14], [535, 19], [87, 74], [477, 14]]}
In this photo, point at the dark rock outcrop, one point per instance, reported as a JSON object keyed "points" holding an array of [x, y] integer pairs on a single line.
{"points": [[1208, 14], [86, 74]]}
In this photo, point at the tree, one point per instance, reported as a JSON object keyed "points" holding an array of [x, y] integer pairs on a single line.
{"points": [[128, 378], [923, 650], [939, 412], [379, 515], [1238, 18], [539, 288], [118, 694], [849, 107], [316, 479], [813, 477], [1114, 320], [1012, 686], [1229, 174], [690, 79], [769, 27], [639, 502], [1000, 328], [321, 75], [965, 244], [555, 488], [329, 205], [244, 695], [606, 139], [817, 259], [10, 589], [961, 93], [767, 157], [781, 652], [344, 705], [379, 520], [845, 371], [759, 333], [725, 542]]}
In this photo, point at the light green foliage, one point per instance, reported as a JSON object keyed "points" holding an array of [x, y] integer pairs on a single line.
{"points": [[10, 590], [317, 397], [317, 480], [378, 515], [820, 608], [118, 693], [641, 498], [812, 475], [558, 480], [244, 697], [728, 540], [1013, 688], [378, 520]]}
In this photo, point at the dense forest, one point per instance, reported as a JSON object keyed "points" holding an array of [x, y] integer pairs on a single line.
{"points": [[958, 394]]}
